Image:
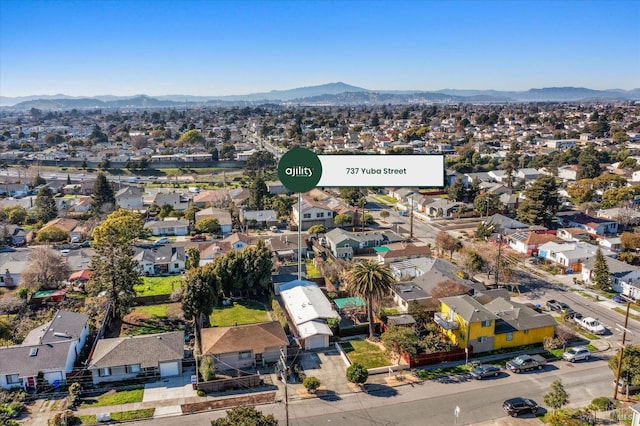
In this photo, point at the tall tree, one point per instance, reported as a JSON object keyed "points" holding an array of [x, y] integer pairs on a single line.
{"points": [[588, 163], [257, 194], [601, 277], [510, 163], [46, 208], [483, 204], [372, 281], [400, 340], [229, 270], [257, 262], [457, 191], [541, 202], [557, 397], [103, 196], [114, 268], [630, 371], [199, 296], [259, 163], [193, 258]]}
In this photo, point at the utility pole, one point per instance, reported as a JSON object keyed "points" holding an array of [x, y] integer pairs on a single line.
{"points": [[498, 259], [285, 372], [624, 336], [299, 246], [411, 220]]}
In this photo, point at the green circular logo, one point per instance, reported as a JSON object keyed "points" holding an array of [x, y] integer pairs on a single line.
{"points": [[299, 170]]}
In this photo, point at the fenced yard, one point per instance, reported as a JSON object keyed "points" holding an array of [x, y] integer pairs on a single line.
{"points": [[240, 313], [366, 353], [155, 286]]}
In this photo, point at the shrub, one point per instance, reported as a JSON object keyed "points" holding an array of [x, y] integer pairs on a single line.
{"points": [[207, 369], [311, 384], [602, 403], [201, 392], [356, 373]]}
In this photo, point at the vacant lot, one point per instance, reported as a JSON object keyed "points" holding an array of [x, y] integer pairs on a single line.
{"points": [[153, 319], [238, 314], [154, 286], [113, 397], [367, 354]]}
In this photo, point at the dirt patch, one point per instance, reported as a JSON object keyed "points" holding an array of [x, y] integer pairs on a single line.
{"points": [[217, 404]]}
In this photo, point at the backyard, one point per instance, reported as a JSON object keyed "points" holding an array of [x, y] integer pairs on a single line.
{"points": [[238, 314], [155, 286], [366, 353], [153, 319]]}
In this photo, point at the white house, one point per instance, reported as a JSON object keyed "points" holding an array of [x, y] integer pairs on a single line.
{"points": [[625, 278], [129, 197], [169, 226], [308, 309]]}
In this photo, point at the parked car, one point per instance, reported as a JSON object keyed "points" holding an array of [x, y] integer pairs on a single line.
{"points": [[274, 229], [622, 387], [556, 305], [199, 238], [576, 354], [526, 362], [485, 370], [403, 213], [592, 325], [163, 240], [619, 299], [516, 406]]}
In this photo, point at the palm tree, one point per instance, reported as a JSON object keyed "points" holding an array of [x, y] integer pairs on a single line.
{"points": [[372, 281]]}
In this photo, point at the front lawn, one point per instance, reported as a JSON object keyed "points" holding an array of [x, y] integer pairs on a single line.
{"points": [[367, 354], [114, 398], [155, 286], [238, 314], [385, 199], [145, 413]]}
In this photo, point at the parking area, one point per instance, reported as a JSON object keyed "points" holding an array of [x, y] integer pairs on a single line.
{"points": [[170, 388]]}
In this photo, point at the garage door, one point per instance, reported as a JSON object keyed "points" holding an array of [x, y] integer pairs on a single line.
{"points": [[53, 377], [317, 342], [169, 369]]}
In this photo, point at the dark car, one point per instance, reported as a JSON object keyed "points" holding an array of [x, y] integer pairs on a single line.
{"points": [[556, 305], [199, 238], [516, 406], [619, 299], [485, 370]]}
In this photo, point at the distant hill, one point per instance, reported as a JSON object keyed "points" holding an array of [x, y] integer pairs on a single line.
{"points": [[325, 94]]}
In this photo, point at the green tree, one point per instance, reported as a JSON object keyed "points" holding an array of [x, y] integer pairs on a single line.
{"points": [[342, 219], [259, 163], [483, 204], [97, 136], [208, 225], [229, 269], [103, 197], [317, 229], [193, 258], [557, 397], [45, 205], [311, 384], [114, 268], [38, 180], [190, 213], [457, 191], [582, 190], [510, 163], [245, 415], [257, 194], [588, 163], [52, 234], [199, 296], [485, 229], [400, 340], [191, 137], [384, 214], [601, 277], [630, 371], [372, 281], [165, 211], [227, 151], [16, 215], [257, 264], [356, 373], [353, 196], [207, 369], [541, 202]]}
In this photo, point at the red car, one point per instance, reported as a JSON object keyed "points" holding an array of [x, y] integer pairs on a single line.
{"points": [[199, 238]]}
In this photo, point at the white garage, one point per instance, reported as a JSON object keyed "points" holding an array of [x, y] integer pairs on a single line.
{"points": [[168, 369], [314, 334]]}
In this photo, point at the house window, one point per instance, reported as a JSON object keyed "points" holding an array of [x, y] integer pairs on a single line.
{"points": [[104, 372], [486, 323], [12, 379], [526, 332], [307, 216], [319, 214], [176, 266], [509, 336], [482, 339], [133, 368], [245, 355]]}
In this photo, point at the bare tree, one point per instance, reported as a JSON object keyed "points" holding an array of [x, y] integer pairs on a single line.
{"points": [[46, 269]]}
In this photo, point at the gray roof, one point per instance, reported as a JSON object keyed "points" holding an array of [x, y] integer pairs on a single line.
{"points": [[64, 323], [615, 266], [409, 291], [404, 319], [260, 215], [159, 255], [161, 224], [147, 350], [48, 357], [506, 225], [518, 316], [468, 308]]}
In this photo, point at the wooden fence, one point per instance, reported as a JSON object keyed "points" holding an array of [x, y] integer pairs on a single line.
{"points": [[222, 385]]}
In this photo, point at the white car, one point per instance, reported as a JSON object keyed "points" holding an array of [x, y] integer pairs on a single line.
{"points": [[274, 229], [576, 354], [163, 240]]}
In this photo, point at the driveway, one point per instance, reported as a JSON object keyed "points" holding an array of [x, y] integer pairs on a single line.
{"points": [[329, 367], [170, 388]]}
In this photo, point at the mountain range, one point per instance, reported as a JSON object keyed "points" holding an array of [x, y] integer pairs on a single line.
{"points": [[325, 94]]}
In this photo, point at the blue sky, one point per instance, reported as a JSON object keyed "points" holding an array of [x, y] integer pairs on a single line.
{"points": [[85, 48]]}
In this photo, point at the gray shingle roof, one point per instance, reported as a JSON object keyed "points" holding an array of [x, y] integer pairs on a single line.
{"points": [[147, 350]]}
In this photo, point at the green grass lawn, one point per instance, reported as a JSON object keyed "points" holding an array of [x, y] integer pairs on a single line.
{"points": [[436, 373], [88, 420], [245, 313], [391, 311], [115, 398], [145, 413], [367, 354], [312, 271], [154, 310], [385, 199], [152, 319], [155, 286]]}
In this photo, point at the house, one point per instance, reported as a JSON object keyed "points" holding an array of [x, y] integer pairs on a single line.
{"points": [[208, 252], [308, 309], [80, 277], [50, 349], [169, 226], [130, 197], [528, 242], [625, 278], [312, 213], [178, 201], [13, 264], [611, 243], [223, 216], [67, 225], [495, 325], [244, 346], [442, 207], [237, 241], [14, 189], [285, 247], [593, 225], [571, 255], [128, 357], [158, 260], [343, 243], [259, 218], [507, 226], [402, 194], [573, 234], [568, 173], [82, 205], [401, 251], [209, 198], [44, 297], [635, 419]]}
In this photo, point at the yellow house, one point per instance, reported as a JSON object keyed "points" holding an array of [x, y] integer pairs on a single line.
{"points": [[497, 324]]}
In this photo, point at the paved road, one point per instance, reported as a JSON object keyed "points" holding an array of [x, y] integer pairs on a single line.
{"points": [[433, 403]]}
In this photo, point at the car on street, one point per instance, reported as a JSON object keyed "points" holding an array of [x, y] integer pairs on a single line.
{"points": [[556, 305], [199, 238], [576, 354], [485, 370], [274, 229], [163, 240], [402, 213], [622, 387], [619, 299], [516, 406]]}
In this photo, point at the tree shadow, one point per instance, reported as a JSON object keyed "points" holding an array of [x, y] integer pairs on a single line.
{"points": [[382, 391], [328, 395]]}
